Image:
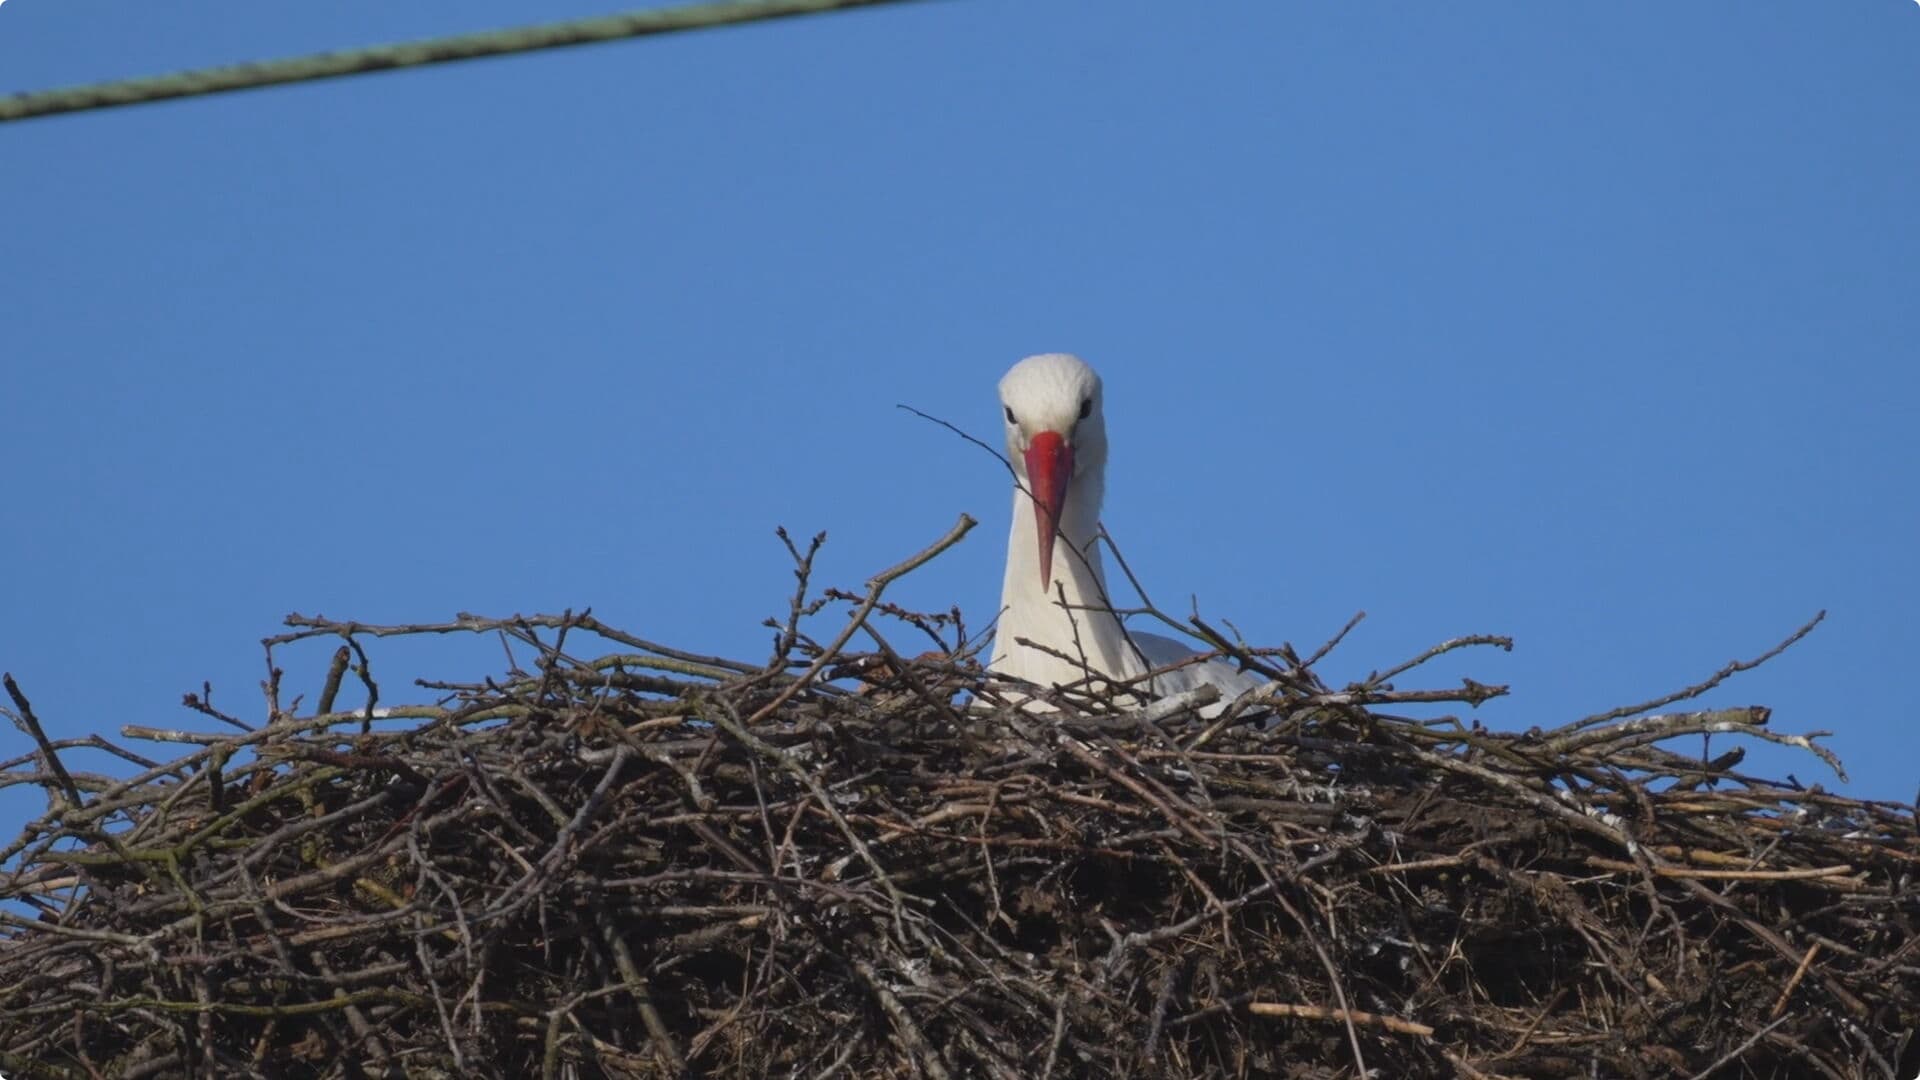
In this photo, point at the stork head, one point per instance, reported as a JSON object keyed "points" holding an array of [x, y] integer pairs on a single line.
{"points": [[1056, 437]]}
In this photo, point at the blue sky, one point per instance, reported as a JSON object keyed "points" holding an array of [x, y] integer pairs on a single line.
{"points": [[1590, 324]]}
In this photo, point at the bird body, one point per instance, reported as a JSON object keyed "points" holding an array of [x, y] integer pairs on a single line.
{"points": [[1055, 593]]}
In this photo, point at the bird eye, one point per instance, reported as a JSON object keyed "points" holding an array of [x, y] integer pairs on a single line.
{"points": [[1086, 406], [1010, 418]]}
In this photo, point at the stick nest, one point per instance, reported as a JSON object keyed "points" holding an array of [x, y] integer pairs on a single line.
{"points": [[619, 859]]}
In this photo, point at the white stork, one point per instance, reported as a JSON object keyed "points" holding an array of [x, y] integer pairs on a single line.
{"points": [[1056, 593]]}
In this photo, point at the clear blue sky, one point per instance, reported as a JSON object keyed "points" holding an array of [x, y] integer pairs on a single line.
{"points": [[1592, 324]]}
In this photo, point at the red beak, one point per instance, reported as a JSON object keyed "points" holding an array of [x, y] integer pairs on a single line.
{"points": [[1049, 467]]}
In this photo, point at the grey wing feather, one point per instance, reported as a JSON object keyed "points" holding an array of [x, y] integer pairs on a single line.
{"points": [[1161, 651]]}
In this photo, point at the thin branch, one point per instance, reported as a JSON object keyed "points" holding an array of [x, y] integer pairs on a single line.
{"points": [[1733, 667]]}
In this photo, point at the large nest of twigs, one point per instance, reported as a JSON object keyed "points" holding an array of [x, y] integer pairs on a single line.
{"points": [[619, 859]]}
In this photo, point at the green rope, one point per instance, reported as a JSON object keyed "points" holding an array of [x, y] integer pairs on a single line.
{"points": [[330, 65]]}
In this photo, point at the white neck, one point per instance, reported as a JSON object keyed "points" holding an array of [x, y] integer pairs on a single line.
{"points": [[1084, 625]]}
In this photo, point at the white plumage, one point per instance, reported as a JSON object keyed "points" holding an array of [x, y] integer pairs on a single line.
{"points": [[1055, 592]]}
